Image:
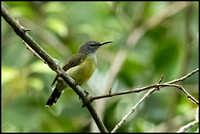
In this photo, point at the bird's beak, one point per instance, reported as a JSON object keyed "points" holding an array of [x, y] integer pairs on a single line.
{"points": [[103, 43]]}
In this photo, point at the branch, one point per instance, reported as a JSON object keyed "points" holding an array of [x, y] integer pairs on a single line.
{"points": [[136, 105], [53, 64], [22, 32], [157, 87], [191, 124], [184, 77], [183, 90], [135, 34], [133, 110], [137, 90], [35, 54]]}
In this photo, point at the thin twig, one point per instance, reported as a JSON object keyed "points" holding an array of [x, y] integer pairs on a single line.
{"points": [[134, 36], [191, 124], [22, 32], [189, 96], [157, 87], [132, 110], [136, 105], [35, 54], [137, 90], [184, 77]]}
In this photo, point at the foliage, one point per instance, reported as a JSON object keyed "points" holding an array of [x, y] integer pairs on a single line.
{"points": [[60, 28]]}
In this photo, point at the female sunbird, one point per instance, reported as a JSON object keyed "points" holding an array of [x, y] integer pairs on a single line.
{"points": [[79, 67]]}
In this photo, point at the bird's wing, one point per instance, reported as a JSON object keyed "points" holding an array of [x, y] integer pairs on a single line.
{"points": [[77, 59]]}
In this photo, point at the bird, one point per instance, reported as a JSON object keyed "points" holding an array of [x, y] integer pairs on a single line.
{"points": [[79, 67]]}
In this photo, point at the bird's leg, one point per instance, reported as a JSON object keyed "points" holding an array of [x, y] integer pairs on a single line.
{"points": [[86, 93]]}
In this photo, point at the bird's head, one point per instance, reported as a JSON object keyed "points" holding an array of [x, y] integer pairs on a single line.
{"points": [[91, 46]]}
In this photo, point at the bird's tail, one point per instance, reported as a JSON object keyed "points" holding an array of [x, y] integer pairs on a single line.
{"points": [[53, 98]]}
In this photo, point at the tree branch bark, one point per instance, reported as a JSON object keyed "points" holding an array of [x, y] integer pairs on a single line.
{"points": [[53, 64], [157, 87], [191, 124], [166, 84], [136, 105]]}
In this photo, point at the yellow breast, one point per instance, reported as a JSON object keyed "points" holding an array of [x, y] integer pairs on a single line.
{"points": [[84, 71]]}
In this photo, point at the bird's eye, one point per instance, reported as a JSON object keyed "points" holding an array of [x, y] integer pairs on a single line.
{"points": [[92, 45]]}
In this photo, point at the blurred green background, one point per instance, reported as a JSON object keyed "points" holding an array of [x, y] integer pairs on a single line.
{"points": [[170, 49]]}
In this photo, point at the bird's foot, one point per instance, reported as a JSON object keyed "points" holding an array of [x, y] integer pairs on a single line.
{"points": [[86, 93]]}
